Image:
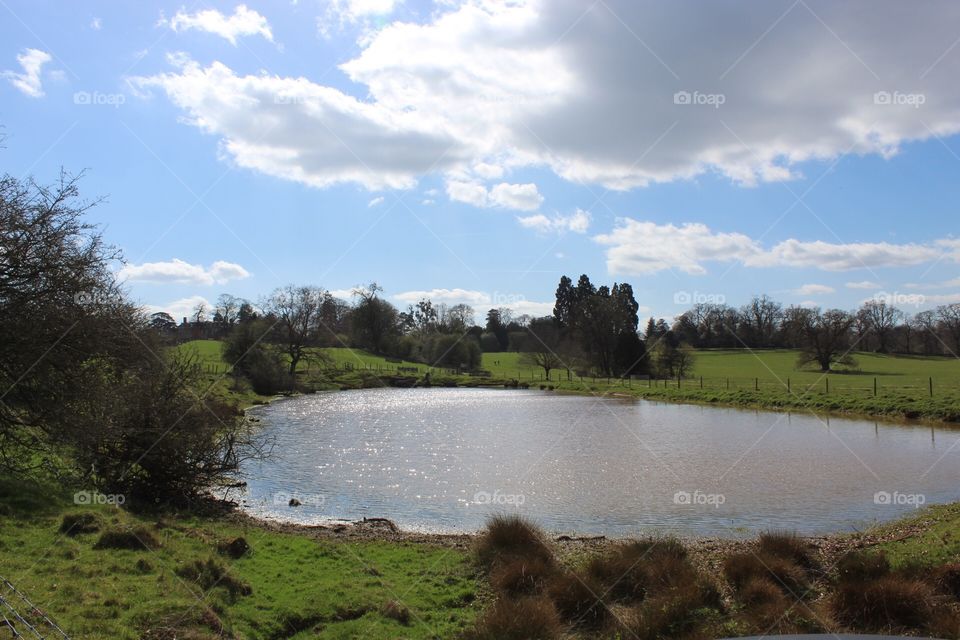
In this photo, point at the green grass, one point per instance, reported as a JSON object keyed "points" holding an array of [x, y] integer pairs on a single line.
{"points": [[929, 538], [740, 378], [301, 587]]}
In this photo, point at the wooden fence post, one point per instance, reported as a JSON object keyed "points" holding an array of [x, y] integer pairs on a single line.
{"points": [[756, 384], [931, 386], [788, 385], [874, 387], [827, 380]]}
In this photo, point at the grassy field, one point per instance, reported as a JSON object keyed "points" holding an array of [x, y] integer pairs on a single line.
{"points": [[880, 385], [300, 587]]}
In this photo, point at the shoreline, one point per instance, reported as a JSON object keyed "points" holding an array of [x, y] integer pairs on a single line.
{"points": [[948, 418]]}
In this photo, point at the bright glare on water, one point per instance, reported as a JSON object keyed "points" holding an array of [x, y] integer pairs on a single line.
{"points": [[444, 459]]}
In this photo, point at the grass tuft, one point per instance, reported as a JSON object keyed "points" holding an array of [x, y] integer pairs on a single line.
{"points": [[529, 618], [512, 536], [132, 539]]}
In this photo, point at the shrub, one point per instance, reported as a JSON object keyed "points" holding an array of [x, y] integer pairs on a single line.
{"points": [[209, 573], [788, 546], [890, 602], [136, 539], [860, 566], [512, 536], [947, 579], [519, 576], [740, 568], [236, 548], [530, 618], [80, 522], [669, 615], [396, 611], [760, 592], [577, 598], [630, 570]]}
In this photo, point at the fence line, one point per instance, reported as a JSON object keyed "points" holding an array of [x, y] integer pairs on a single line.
{"points": [[829, 384]]}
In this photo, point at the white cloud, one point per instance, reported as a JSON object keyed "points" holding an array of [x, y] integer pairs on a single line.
{"points": [[29, 82], [594, 102], [181, 272], [578, 222], [844, 257], [863, 284], [180, 309], [955, 282], [813, 290], [343, 294], [449, 296], [488, 171], [376, 201], [243, 22], [479, 300], [96, 24], [522, 197], [638, 248]]}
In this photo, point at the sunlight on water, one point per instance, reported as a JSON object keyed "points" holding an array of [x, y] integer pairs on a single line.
{"points": [[443, 459]]}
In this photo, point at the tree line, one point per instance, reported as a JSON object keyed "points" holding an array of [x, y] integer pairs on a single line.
{"points": [[765, 323]]}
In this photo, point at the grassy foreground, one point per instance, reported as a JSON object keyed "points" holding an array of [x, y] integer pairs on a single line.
{"points": [[737, 378], [184, 584], [101, 572]]}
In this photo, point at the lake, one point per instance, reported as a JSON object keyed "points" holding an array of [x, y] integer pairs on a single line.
{"points": [[444, 459]]}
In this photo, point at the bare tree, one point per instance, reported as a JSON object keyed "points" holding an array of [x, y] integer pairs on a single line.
{"points": [[541, 346], [881, 319], [227, 310], [948, 316], [826, 337], [297, 311]]}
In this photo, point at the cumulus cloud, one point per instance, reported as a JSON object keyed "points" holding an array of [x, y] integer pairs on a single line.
{"points": [[813, 290], [29, 82], [638, 248], [376, 201], [863, 284], [622, 93], [481, 300], [178, 271], [243, 22], [522, 197], [180, 309], [578, 222]]}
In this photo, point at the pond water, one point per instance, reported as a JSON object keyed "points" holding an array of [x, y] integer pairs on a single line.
{"points": [[444, 459]]}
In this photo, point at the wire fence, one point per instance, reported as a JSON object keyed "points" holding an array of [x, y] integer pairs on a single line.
{"points": [[805, 384], [22, 619]]}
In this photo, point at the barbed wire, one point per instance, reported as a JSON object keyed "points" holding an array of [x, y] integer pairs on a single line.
{"points": [[18, 618]]}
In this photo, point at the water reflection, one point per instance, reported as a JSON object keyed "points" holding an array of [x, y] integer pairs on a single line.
{"points": [[443, 459]]}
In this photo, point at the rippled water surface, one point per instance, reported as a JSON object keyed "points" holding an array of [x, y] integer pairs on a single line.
{"points": [[443, 459]]}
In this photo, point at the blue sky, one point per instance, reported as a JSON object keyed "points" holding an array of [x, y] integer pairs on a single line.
{"points": [[479, 150]]}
